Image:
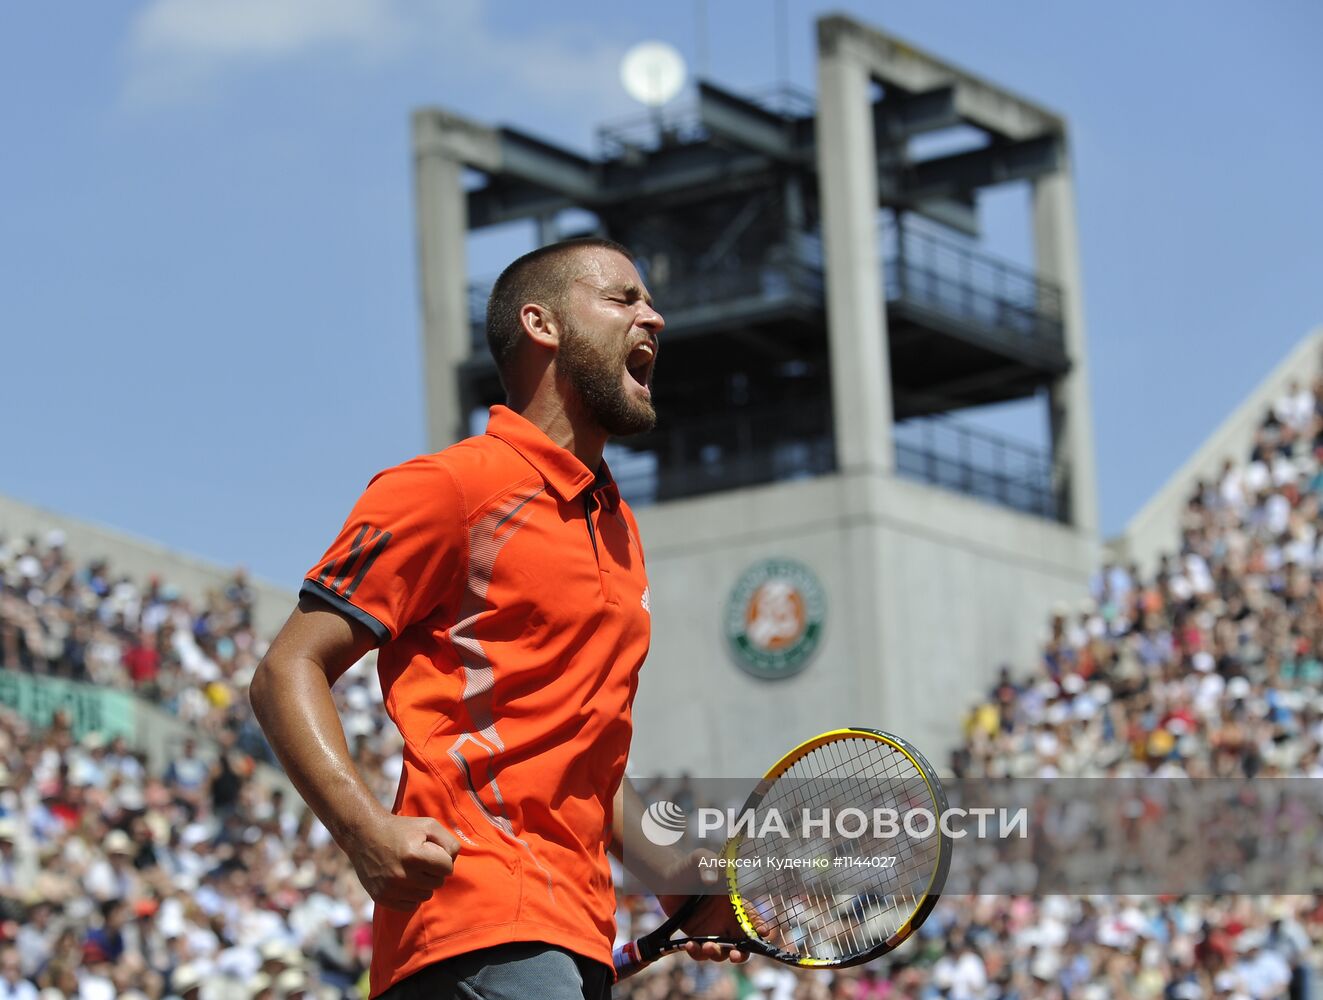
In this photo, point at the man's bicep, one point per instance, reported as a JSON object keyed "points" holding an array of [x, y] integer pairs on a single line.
{"points": [[324, 635]]}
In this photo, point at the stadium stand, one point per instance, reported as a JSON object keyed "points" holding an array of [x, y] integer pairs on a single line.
{"points": [[114, 879], [91, 624], [1209, 666], [1148, 533], [118, 881]]}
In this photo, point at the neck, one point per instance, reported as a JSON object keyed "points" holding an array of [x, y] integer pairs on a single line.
{"points": [[565, 424]]}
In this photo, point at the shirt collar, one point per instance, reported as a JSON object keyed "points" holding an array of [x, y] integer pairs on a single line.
{"points": [[566, 476]]}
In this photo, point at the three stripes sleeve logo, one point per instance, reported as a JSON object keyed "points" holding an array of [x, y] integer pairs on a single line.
{"points": [[368, 545]]}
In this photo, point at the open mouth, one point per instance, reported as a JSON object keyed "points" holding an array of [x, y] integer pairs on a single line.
{"points": [[640, 362]]}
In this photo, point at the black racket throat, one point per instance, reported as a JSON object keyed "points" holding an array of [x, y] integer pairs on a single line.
{"points": [[659, 942]]}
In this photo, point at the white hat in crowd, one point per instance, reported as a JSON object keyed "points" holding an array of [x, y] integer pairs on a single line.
{"points": [[186, 977], [117, 842], [290, 982]]}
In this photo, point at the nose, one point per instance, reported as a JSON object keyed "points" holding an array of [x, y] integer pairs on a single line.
{"points": [[650, 319]]}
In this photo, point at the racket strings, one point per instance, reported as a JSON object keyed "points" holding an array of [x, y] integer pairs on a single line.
{"points": [[824, 903], [853, 916]]}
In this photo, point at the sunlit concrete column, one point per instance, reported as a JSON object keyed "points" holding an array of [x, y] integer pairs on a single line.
{"points": [[856, 320], [1056, 245], [442, 231]]}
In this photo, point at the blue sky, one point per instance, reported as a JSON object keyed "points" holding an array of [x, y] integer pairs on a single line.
{"points": [[209, 322]]}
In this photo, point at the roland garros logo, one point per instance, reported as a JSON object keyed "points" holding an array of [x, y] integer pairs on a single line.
{"points": [[774, 618]]}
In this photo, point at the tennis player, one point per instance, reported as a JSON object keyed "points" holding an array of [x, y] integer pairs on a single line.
{"points": [[503, 582]]}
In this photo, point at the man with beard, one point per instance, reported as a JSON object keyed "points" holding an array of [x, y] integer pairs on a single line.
{"points": [[503, 581]]}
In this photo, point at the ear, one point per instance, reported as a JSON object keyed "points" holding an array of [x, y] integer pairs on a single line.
{"points": [[540, 325]]}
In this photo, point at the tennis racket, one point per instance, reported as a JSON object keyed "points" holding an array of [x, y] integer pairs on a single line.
{"points": [[821, 912]]}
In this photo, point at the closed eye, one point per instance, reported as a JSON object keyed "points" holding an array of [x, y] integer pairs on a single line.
{"points": [[631, 295]]}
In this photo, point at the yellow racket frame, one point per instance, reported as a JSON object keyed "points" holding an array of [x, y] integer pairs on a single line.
{"points": [[783, 765]]}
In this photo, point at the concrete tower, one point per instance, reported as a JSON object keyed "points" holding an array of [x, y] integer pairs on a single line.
{"points": [[825, 545]]}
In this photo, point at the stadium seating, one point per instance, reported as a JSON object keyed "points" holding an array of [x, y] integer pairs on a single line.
{"points": [[1210, 665], [115, 881]]}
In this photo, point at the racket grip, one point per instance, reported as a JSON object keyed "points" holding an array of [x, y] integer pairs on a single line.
{"points": [[627, 960]]}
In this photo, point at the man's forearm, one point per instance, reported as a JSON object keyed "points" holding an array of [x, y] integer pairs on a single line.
{"points": [[292, 701], [652, 865]]}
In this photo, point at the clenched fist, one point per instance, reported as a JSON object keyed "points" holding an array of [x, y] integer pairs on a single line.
{"points": [[402, 860]]}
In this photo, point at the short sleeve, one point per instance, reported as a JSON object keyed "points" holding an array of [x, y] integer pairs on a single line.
{"points": [[400, 554]]}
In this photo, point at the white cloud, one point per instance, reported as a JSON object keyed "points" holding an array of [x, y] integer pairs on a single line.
{"points": [[206, 29], [180, 50]]}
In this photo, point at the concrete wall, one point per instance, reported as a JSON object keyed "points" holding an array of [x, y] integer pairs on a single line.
{"points": [[928, 592], [140, 559], [696, 709], [967, 587], [1153, 530]]}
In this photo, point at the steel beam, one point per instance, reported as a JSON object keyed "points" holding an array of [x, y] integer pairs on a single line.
{"points": [[955, 176], [746, 124], [553, 167], [898, 63], [502, 201], [898, 116]]}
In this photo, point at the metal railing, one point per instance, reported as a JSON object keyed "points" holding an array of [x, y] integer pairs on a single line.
{"points": [[681, 123], [964, 284], [744, 447], [994, 297], [748, 446], [793, 440], [979, 463], [678, 124], [785, 272]]}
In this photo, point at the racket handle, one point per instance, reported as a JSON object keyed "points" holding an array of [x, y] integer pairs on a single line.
{"points": [[627, 960], [632, 956]]}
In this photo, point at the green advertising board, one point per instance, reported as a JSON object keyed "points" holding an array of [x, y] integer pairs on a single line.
{"points": [[89, 708]]}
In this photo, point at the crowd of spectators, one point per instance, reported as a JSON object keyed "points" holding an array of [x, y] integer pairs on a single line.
{"points": [[89, 623], [119, 882], [116, 881], [202, 879], [1209, 666]]}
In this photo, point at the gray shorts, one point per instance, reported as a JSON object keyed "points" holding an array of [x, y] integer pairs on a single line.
{"points": [[520, 971]]}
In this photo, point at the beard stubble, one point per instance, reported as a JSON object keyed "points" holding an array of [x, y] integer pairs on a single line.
{"points": [[597, 378]]}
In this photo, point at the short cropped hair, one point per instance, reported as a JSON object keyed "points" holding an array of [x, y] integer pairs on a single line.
{"points": [[542, 276]]}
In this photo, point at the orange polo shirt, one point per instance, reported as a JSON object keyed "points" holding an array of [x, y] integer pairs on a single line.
{"points": [[506, 584]]}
